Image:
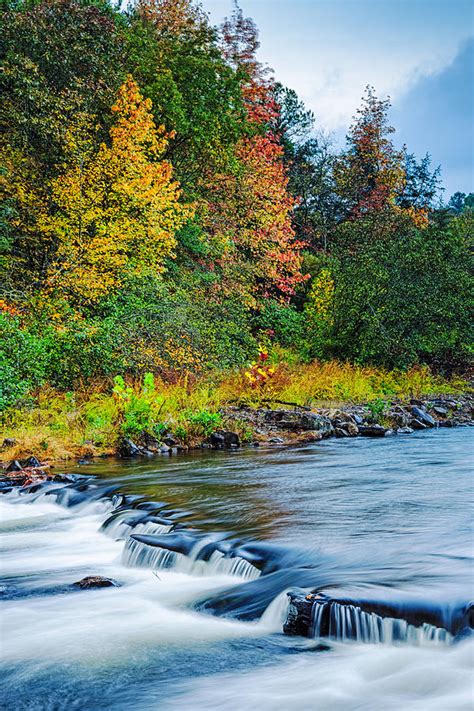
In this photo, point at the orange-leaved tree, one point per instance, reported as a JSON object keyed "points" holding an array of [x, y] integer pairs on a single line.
{"points": [[261, 208], [116, 209]]}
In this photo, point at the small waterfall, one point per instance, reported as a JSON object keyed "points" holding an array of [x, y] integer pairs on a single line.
{"points": [[120, 525], [153, 528], [137, 554], [219, 563], [343, 622], [276, 613]]}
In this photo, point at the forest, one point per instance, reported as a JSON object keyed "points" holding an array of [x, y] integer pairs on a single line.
{"points": [[170, 210]]}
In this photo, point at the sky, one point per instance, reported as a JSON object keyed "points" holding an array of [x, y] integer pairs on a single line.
{"points": [[418, 52]]}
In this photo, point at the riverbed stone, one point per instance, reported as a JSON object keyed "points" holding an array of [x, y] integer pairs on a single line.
{"points": [[96, 581], [128, 449], [14, 466], [224, 439], [293, 420], [300, 613], [31, 462], [423, 416], [417, 424]]}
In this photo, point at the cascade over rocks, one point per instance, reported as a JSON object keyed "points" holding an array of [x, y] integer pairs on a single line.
{"points": [[318, 615], [153, 539]]}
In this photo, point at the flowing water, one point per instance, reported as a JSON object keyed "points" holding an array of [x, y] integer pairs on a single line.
{"points": [[205, 548]]}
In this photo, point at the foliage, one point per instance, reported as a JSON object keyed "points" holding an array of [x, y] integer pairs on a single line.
{"points": [[401, 293], [23, 360], [377, 409], [117, 209], [204, 422], [169, 207], [422, 187], [260, 371], [369, 175]]}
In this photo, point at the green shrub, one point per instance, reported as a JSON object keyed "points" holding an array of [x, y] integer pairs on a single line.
{"points": [[205, 422], [24, 360]]}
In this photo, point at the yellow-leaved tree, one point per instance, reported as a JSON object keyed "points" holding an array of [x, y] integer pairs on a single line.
{"points": [[117, 209]]}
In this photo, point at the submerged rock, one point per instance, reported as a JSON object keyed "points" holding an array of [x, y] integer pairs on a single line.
{"points": [[96, 581]]}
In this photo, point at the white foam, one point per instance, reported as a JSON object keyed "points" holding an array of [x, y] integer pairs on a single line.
{"points": [[349, 678]]}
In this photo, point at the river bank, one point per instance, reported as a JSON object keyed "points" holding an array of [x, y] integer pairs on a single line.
{"points": [[266, 427]]}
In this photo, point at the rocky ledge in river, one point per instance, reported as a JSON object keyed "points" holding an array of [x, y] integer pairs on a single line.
{"points": [[285, 426]]}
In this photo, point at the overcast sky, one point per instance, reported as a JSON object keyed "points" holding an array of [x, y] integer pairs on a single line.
{"points": [[419, 52]]}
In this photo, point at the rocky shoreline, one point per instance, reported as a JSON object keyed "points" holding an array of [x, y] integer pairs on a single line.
{"points": [[281, 427]]}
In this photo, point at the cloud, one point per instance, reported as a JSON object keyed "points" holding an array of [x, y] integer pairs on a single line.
{"points": [[436, 116], [329, 50]]}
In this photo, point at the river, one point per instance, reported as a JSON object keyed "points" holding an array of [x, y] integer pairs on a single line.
{"points": [[201, 627]]}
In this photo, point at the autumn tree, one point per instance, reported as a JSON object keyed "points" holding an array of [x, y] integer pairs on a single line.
{"points": [[175, 57], [369, 174], [116, 210], [263, 233]]}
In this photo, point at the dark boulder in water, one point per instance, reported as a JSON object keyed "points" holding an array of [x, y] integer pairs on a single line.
{"points": [[224, 439], [92, 582], [417, 424], [294, 421], [30, 462], [128, 449]]}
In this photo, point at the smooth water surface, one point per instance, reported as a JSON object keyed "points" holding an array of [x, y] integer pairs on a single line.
{"points": [[386, 519]]}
